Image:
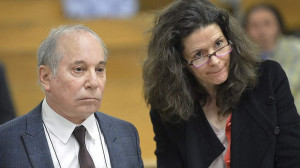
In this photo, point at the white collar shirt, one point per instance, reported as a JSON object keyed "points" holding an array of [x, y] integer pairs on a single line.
{"points": [[64, 147]]}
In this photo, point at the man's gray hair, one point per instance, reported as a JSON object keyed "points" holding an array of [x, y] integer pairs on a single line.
{"points": [[47, 53]]}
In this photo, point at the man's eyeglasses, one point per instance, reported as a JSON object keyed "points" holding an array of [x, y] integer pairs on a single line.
{"points": [[205, 58]]}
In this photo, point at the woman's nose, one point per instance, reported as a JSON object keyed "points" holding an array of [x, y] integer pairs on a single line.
{"points": [[214, 60]]}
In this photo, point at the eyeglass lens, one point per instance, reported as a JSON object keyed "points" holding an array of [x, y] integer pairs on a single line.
{"points": [[219, 53]]}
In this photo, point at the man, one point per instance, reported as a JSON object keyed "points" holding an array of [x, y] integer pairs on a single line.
{"points": [[65, 130], [265, 26], [7, 111]]}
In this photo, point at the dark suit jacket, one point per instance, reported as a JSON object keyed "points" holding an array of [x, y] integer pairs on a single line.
{"points": [[6, 106], [265, 130], [23, 142]]}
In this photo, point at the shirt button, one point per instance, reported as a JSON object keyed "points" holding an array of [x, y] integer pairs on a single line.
{"points": [[276, 131], [270, 100]]}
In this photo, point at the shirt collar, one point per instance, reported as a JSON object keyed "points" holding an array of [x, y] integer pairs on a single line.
{"points": [[63, 128], [91, 126]]}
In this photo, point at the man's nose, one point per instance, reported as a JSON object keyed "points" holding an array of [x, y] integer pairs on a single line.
{"points": [[92, 80]]}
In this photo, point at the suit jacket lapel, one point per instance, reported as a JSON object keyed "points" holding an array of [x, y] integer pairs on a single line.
{"points": [[110, 138], [35, 141]]}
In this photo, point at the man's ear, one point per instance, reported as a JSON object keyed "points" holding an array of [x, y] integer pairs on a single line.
{"points": [[45, 77]]}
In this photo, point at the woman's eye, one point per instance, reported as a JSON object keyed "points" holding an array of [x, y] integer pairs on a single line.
{"points": [[219, 43], [199, 54]]}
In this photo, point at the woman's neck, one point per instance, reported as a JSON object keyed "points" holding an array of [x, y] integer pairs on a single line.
{"points": [[210, 110]]}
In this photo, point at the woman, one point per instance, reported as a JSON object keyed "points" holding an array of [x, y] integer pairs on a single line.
{"points": [[214, 103]]}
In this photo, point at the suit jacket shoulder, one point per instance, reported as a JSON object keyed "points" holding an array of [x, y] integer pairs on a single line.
{"points": [[122, 140], [23, 142]]}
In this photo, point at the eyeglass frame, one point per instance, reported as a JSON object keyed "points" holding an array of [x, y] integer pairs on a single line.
{"points": [[210, 55]]}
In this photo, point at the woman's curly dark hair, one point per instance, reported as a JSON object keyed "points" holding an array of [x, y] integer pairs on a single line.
{"points": [[168, 86]]}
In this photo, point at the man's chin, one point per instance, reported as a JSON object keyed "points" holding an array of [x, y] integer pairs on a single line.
{"points": [[89, 109]]}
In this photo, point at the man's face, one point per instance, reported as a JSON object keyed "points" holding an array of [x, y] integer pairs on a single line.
{"points": [[75, 91], [263, 28]]}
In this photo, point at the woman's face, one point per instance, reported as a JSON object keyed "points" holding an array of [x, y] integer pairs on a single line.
{"points": [[203, 41]]}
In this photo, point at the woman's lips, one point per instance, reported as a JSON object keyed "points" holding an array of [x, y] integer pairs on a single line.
{"points": [[216, 72]]}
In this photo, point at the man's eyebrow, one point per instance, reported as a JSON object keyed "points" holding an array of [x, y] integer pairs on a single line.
{"points": [[102, 63], [83, 62], [79, 62]]}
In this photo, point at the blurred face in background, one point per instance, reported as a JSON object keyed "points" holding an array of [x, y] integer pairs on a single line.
{"points": [[263, 27]]}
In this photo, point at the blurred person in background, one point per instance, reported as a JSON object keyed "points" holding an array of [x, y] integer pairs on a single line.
{"points": [[265, 26], [214, 102], [7, 111], [66, 130]]}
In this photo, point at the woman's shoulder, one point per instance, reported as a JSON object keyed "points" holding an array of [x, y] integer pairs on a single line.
{"points": [[271, 72], [270, 66]]}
